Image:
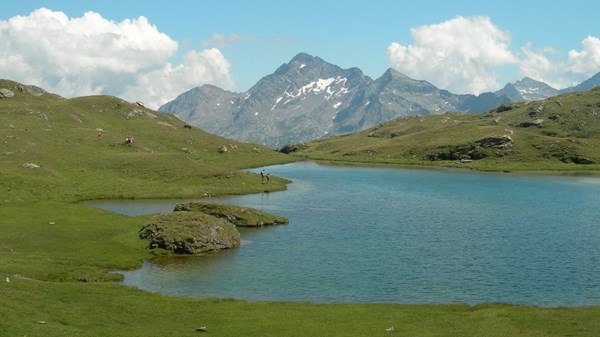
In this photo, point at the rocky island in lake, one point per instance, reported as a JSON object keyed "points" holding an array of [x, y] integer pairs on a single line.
{"points": [[197, 227]]}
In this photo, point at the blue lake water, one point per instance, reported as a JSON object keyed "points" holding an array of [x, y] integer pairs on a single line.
{"points": [[403, 236]]}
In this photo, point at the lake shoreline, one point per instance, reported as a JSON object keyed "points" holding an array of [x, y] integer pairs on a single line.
{"points": [[415, 178], [533, 171]]}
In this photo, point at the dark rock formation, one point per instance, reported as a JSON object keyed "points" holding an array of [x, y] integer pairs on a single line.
{"points": [[575, 159], [507, 107], [291, 148], [462, 152], [496, 142], [479, 150], [538, 123]]}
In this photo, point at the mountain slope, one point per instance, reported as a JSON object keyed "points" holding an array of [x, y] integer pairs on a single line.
{"points": [[559, 133], [588, 84], [527, 89], [297, 102], [392, 95], [309, 98]]}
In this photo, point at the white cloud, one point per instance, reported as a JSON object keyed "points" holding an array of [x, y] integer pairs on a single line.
{"points": [[222, 41], [464, 55], [93, 55], [585, 63], [542, 65], [460, 54], [163, 85], [546, 64]]}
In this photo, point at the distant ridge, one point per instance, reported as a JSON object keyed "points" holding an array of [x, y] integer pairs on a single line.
{"points": [[309, 98]]}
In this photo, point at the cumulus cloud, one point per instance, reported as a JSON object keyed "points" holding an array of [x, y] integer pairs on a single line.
{"points": [[93, 55], [547, 64], [463, 55], [542, 65], [164, 84], [586, 62], [460, 54]]}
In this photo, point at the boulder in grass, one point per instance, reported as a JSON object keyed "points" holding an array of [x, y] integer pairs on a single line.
{"points": [[190, 233], [5, 93]]}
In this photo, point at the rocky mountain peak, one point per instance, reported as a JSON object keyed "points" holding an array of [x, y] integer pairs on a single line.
{"points": [[532, 90], [394, 74], [528, 81], [309, 98], [304, 59]]}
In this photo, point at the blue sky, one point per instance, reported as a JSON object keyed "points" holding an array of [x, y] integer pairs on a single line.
{"points": [[153, 51]]}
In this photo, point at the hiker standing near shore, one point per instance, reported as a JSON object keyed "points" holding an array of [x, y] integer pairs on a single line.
{"points": [[264, 175]]}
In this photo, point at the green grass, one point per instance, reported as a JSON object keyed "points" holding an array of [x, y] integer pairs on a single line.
{"points": [[106, 309], [53, 241], [59, 256]]}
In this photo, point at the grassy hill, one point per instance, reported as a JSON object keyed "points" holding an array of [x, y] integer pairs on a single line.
{"points": [[561, 133], [57, 256], [61, 136]]}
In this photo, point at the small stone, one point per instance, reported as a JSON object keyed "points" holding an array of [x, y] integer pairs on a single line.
{"points": [[30, 165]]}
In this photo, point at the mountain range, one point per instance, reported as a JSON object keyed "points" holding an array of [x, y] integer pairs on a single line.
{"points": [[309, 98]]}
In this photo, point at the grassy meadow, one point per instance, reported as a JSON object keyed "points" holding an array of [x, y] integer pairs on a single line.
{"points": [[57, 257], [557, 135]]}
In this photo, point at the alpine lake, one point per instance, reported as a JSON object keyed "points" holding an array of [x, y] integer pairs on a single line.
{"points": [[391, 235]]}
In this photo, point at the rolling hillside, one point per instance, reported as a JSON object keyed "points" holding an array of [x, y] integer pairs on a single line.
{"points": [[559, 133], [73, 149]]}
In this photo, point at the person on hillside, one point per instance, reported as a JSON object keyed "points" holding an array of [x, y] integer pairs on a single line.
{"points": [[263, 175]]}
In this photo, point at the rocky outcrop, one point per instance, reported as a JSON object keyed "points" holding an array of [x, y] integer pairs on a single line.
{"points": [[479, 150], [576, 159], [464, 152], [197, 227], [290, 148], [507, 107], [496, 142], [190, 233], [239, 216], [5, 93], [537, 123]]}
